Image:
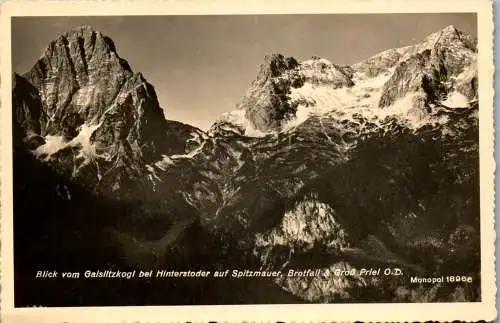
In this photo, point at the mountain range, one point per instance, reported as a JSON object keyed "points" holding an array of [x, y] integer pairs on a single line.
{"points": [[319, 166]]}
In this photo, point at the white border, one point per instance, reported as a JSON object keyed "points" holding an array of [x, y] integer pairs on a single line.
{"points": [[484, 310]]}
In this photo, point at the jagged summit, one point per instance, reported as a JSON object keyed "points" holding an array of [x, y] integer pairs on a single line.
{"points": [[82, 31], [450, 35], [450, 29], [275, 64], [443, 65], [448, 39], [270, 89], [77, 61], [447, 31], [89, 34], [82, 45], [78, 80]]}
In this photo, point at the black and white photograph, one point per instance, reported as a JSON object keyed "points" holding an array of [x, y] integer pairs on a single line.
{"points": [[246, 159]]}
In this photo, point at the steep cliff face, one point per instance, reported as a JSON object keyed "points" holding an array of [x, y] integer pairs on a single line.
{"points": [[320, 166]]}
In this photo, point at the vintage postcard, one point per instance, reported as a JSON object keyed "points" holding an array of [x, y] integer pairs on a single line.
{"points": [[247, 161]]}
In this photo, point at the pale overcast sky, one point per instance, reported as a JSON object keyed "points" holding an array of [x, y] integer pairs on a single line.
{"points": [[201, 66]]}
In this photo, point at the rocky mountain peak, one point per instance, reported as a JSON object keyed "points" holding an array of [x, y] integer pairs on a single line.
{"points": [[266, 101], [88, 38], [443, 63], [78, 77], [451, 36], [450, 30], [82, 51], [276, 64], [83, 109]]}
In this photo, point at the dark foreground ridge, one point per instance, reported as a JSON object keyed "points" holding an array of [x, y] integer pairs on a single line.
{"points": [[326, 171]]}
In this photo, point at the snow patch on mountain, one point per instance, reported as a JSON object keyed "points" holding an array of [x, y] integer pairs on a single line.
{"points": [[87, 150], [322, 71], [238, 118], [164, 163], [320, 99], [456, 100], [349, 104], [53, 144]]}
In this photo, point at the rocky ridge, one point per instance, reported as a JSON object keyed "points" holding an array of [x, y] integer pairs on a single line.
{"points": [[440, 70]]}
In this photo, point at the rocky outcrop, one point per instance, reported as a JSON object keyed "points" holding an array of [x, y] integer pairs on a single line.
{"points": [[309, 225]]}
